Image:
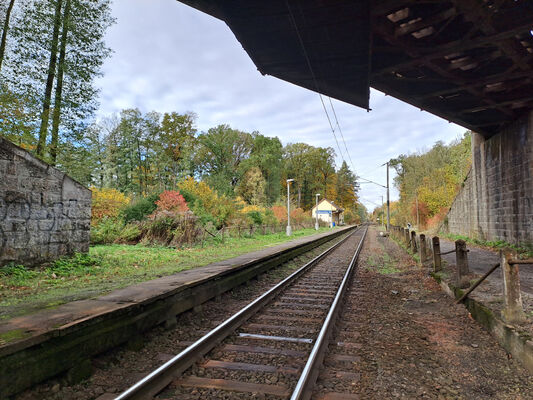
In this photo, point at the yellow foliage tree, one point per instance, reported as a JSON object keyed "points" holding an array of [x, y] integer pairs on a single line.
{"points": [[107, 202]]}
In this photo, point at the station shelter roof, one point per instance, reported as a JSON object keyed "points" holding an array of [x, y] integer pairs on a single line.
{"points": [[468, 61]]}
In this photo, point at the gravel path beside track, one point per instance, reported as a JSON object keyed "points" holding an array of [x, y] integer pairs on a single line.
{"points": [[402, 337]]}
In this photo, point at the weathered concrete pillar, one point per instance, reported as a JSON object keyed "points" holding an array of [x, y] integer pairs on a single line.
{"points": [[413, 242], [513, 311], [437, 266], [423, 249], [461, 258]]}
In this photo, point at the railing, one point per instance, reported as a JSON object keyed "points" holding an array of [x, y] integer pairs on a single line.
{"points": [[509, 262]]}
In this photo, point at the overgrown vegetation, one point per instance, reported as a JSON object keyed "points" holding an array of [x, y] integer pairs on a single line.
{"points": [[108, 267], [523, 251]]}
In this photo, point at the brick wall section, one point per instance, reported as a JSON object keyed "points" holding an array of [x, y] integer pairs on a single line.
{"points": [[496, 202], [44, 214]]}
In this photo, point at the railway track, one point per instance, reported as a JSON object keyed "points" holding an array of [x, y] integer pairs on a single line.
{"points": [[273, 347]]}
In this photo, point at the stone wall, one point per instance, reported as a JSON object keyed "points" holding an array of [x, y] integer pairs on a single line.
{"points": [[496, 201], [44, 214]]}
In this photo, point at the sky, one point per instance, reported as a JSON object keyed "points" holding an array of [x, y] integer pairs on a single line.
{"points": [[170, 57]]}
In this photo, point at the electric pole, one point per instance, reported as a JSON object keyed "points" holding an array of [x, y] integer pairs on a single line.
{"points": [[388, 199]]}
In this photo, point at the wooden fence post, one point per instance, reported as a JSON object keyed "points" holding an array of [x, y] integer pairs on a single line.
{"points": [[429, 250], [423, 249], [406, 236], [512, 311], [437, 266], [461, 261], [413, 242]]}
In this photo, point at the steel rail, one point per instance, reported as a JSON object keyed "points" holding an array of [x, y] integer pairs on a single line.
{"points": [[157, 380], [306, 383]]}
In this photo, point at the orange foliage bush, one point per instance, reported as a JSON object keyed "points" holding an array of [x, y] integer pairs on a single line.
{"points": [[298, 215], [171, 201], [437, 219], [280, 213]]}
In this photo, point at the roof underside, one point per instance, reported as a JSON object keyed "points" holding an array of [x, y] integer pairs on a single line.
{"points": [[468, 61]]}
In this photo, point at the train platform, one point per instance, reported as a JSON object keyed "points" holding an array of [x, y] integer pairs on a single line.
{"points": [[62, 337]]}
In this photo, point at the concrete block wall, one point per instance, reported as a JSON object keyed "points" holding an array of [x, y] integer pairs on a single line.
{"points": [[496, 201], [44, 214]]}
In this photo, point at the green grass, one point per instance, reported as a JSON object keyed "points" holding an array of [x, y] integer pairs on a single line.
{"points": [[525, 251], [109, 267], [383, 263]]}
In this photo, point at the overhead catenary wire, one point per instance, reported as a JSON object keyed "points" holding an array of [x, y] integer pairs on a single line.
{"points": [[342, 135], [300, 40]]}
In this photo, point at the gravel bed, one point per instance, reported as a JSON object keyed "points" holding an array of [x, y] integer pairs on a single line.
{"points": [[333, 264]]}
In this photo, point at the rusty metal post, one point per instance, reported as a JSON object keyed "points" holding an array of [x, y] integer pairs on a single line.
{"points": [[512, 311], [413, 242], [461, 260], [437, 265], [423, 249]]}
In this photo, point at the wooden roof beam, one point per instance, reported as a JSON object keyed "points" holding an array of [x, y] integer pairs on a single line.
{"points": [[386, 34], [385, 7], [457, 46], [474, 12], [487, 132], [524, 101], [489, 80], [425, 22]]}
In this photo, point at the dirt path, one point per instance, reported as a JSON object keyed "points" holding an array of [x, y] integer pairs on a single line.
{"points": [[415, 342]]}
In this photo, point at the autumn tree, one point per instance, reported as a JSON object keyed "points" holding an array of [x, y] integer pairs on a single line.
{"points": [[347, 187], [252, 187], [57, 52], [220, 152], [297, 158], [430, 179]]}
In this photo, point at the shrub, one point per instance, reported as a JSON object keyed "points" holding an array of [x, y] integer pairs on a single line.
{"points": [[106, 231], [298, 215], [206, 204], [255, 217], [171, 201], [107, 203], [280, 213], [140, 209], [131, 233], [270, 218], [171, 228]]}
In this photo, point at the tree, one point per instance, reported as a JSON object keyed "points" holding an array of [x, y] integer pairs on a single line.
{"points": [[323, 164], [297, 165], [252, 187], [219, 155], [347, 186], [3, 40], [59, 50], [431, 179], [45, 114], [176, 139], [266, 155]]}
